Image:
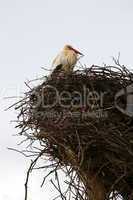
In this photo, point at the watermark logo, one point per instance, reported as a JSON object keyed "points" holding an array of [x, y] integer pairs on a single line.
{"points": [[81, 104], [127, 94], [85, 103]]}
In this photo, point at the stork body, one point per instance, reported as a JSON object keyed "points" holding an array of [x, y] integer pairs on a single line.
{"points": [[66, 59]]}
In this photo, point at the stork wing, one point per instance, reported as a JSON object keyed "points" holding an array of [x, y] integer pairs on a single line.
{"points": [[57, 69]]}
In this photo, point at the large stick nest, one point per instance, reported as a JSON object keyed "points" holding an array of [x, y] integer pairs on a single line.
{"points": [[83, 124]]}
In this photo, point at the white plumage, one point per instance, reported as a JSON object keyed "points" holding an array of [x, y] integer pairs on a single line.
{"points": [[66, 59]]}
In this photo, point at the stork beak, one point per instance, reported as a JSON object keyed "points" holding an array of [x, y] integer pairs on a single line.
{"points": [[76, 51]]}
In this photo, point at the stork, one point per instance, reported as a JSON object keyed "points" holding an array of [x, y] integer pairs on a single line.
{"points": [[66, 60]]}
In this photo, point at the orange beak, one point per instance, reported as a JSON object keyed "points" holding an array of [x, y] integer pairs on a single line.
{"points": [[76, 51]]}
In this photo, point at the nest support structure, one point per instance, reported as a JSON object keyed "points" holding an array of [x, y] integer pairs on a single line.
{"points": [[79, 126]]}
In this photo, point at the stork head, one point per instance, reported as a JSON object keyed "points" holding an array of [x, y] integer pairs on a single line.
{"points": [[69, 47]]}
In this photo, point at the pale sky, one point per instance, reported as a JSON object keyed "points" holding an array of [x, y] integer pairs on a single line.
{"points": [[31, 34]]}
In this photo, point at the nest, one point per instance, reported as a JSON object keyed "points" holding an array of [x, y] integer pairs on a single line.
{"points": [[84, 126]]}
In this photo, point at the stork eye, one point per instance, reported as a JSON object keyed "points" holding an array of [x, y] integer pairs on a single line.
{"points": [[69, 47]]}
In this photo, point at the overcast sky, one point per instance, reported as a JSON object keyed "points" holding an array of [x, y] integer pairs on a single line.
{"points": [[31, 34]]}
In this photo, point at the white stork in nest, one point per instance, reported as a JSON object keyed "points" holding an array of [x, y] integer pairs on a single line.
{"points": [[66, 60]]}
